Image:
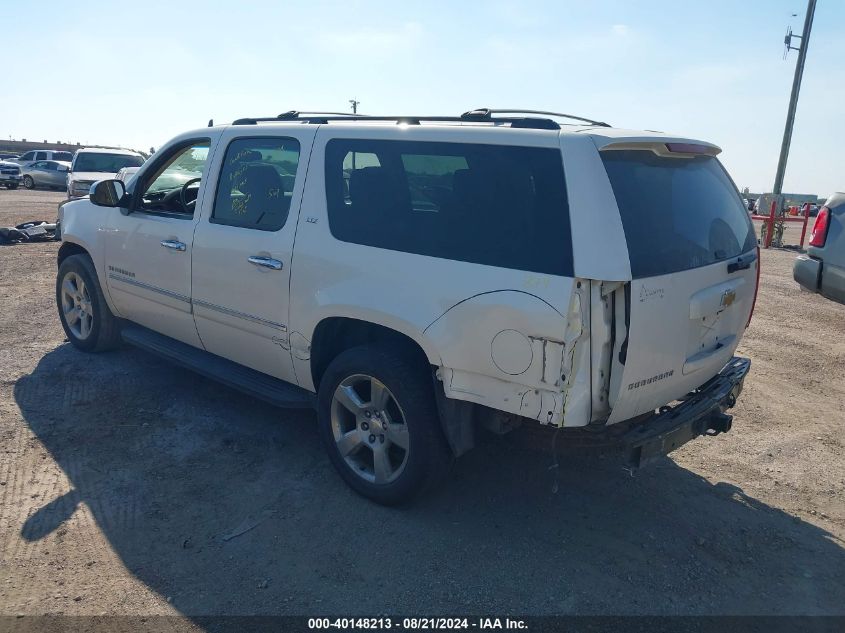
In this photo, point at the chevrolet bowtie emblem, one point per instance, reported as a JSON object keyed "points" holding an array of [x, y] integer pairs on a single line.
{"points": [[728, 297]]}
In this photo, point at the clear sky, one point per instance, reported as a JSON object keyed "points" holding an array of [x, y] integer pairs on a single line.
{"points": [[137, 73]]}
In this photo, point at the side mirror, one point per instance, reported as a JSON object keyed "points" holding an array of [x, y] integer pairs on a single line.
{"points": [[107, 193]]}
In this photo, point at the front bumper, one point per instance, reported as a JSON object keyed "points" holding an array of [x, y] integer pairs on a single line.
{"points": [[807, 272], [13, 178], [700, 413]]}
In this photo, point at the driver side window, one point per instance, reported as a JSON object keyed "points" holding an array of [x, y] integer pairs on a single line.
{"points": [[173, 186]]}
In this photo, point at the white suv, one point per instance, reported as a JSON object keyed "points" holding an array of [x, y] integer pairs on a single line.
{"points": [[417, 279], [91, 164]]}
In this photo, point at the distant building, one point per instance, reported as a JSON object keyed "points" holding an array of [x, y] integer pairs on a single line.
{"points": [[789, 200]]}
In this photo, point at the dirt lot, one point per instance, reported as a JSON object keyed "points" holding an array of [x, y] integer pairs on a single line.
{"points": [[128, 486]]}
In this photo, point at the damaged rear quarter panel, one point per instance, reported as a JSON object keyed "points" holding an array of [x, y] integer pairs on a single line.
{"points": [[512, 350]]}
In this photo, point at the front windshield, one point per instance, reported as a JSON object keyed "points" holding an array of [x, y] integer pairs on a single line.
{"points": [[105, 163]]}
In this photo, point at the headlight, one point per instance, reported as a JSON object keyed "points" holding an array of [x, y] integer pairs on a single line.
{"points": [[81, 186]]}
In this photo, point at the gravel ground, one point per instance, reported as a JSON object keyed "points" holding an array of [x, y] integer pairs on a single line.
{"points": [[129, 486]]}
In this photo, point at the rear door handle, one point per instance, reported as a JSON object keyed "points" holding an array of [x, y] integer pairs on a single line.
{"points": [[265, 262], [175, 245]]}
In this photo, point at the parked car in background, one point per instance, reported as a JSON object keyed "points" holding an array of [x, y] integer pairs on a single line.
{"points": [[10, 174], [92, 164], [4, 156], [46, 173], [822, 269], [42, 154], [126, 173]]}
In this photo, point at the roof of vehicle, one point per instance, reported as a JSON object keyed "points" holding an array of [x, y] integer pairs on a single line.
{"points": [[539, 122], [835, 199], [105, 150]]}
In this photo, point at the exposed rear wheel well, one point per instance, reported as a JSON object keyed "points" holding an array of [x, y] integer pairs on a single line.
{"points": [[337, 334], [69, 248]]}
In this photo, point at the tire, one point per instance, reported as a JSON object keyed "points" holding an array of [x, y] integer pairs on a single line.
{"points": [[28, 182], [12, 186], [360, 435], [96, 329]]}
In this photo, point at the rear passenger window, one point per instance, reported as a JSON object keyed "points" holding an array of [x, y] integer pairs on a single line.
{"points": [[497, 205], [256, 183]]}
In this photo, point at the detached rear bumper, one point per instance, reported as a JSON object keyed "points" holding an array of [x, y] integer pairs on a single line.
{"points": [[701, 413]]}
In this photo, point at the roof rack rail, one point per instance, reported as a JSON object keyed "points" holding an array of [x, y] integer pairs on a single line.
{"points": [[483, 114], [294, 115]]}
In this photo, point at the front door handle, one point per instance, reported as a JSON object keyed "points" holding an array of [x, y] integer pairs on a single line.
{"points": [[175, 245], [266, 262]]}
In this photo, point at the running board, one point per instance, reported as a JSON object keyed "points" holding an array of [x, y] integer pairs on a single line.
{"points": [[254, 383]]}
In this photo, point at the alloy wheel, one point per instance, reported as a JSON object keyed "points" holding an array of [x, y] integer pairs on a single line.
{"points": [[369, 429], [76, 306]]}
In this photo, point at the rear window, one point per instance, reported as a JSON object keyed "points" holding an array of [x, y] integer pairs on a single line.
{"points": [[677, 213], [497, 205], [106, 163], [64, 156]]}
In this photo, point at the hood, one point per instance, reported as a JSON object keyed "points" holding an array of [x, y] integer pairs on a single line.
{"points": [[93, 176]]}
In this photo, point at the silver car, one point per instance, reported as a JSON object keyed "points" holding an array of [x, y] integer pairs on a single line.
{"points": [[822, 269], [45, 173]]}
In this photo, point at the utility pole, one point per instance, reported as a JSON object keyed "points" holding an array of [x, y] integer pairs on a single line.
{"points": [[796, 87]]}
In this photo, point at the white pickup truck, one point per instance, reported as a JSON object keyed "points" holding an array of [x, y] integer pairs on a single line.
{"points": [[417, 278]]}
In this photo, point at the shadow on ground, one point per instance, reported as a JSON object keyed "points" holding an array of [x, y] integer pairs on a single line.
{"points": [[229, 506]]}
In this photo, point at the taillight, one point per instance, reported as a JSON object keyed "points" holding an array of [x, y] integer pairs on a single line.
{"points": [[756, 288], [820, 228]]}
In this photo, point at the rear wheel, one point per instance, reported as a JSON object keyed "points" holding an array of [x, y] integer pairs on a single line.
{"points": [[379, 423], [86, 319], [28, 182]]}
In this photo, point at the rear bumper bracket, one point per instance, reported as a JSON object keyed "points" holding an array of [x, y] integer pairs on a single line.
{"points": [[702, 412]]}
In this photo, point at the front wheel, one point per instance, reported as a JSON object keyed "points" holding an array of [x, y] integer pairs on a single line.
{"points": [[28, 182], [378, 421], [86, 319]]}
